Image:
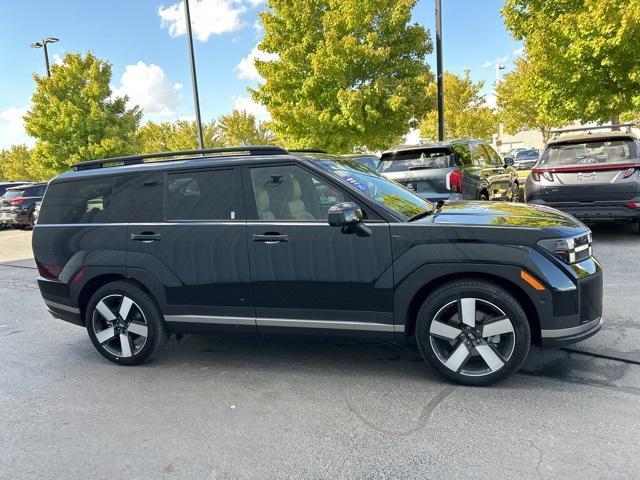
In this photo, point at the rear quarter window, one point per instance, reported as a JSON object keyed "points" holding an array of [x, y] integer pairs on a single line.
{"points": [[77, 202]]}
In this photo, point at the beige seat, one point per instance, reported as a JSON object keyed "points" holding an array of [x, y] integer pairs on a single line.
{"points": [[296, 206], [263, 204]]}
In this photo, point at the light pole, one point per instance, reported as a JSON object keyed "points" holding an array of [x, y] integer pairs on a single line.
{"points": [[43, 44], [499, 67], [439, 70], [194, 81]]}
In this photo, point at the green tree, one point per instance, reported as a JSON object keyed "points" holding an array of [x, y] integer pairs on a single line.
{"points": [[349, 74], [518, 104], [18, 163], [466, 114], [74, 117], [178, 135], [583, 52], [242, 128]]}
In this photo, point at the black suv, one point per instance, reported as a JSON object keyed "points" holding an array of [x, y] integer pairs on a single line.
{"points": [[18, 204], [455, 170], [258, 238]]}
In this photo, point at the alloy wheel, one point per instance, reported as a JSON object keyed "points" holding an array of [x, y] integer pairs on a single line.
{"points": [[120, 326], [472, 337], [515, 193]]}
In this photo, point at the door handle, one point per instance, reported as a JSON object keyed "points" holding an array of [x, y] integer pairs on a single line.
{"points": [[270, 238], [146, 237]]}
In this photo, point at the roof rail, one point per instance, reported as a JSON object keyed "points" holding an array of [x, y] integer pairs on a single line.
{"points": [[586, 129], [223, 152], [307, 150]]}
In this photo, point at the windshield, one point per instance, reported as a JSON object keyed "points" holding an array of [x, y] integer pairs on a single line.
{"points": [[527, 155], [383, 191], [417, 160], [587, 153]]}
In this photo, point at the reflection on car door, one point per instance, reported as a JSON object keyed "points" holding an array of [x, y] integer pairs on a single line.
{"points": [[501, 175], [305, 273]]}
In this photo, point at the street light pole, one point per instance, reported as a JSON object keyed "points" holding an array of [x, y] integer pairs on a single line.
{"points": [[194, 81], [43, 45], [439, 70]]}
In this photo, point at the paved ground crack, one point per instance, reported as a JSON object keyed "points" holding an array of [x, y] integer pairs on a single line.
{"points": [[423, 419]]}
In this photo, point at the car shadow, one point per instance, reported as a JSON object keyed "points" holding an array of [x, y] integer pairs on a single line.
{"points": [[614, 231]]}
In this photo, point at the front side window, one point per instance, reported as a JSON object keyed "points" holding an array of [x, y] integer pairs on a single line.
{"points": [[380, 189], [86, 201], [589, 153], [289, 192], [203, 195]]}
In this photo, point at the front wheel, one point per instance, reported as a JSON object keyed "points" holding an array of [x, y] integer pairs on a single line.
{"points": [[473, 332], [515, 192], [124, 323]]}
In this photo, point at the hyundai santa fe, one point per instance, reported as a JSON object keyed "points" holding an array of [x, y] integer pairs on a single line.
{"points": [[266, 241]]}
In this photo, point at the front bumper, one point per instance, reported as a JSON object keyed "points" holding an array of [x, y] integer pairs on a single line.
{"points": [[567, 336]]}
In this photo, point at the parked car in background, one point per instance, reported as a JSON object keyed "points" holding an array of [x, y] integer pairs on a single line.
{"points": [[260, 240], [18, 204], [36, 212], [3, 188], [593, 176], [455, 170], [526, 159], [370, 160]]}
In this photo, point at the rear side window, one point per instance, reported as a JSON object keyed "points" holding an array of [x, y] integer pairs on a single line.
{"points": [[35, 191], [86, 201], [462, 154], [203, 195], [479, 155]]}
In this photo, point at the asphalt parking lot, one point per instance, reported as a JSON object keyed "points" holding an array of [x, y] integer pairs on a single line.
{"points": [[234, 407]]}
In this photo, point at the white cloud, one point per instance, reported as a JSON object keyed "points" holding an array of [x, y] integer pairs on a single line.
{"points": [[246, 68], [149, 87], [57, 59], [518, 51], [490, 100], [251, 106], [208, 17], [493, 63], [12, 130], [413, 137]]}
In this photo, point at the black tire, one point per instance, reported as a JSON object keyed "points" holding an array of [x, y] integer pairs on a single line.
{"points": [[485, 295], [483, 196], [143, 312]]}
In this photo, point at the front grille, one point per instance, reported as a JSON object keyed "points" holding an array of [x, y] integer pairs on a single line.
{"points": [[590, 297]]}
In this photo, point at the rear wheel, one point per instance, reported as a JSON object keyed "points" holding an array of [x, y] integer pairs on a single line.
{"points": [[125, 324], [472, 332], [484, 196]]}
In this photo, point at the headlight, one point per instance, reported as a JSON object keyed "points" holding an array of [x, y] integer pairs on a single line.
{"points": [[569, 250]]}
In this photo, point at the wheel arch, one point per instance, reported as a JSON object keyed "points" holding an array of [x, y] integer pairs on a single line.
{"points": [[411, 313], [99, 281]]}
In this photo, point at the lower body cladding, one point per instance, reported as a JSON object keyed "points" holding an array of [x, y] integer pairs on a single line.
{"points": [[197, 323], [14, 217], [597, 211]]}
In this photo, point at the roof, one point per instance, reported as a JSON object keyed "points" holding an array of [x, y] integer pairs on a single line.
{"points": [[592, 137], [230, 157], [427, 146]]}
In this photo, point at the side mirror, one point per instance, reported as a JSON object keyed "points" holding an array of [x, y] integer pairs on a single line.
{"points": [[348, 216], [345, 214], [508, 161]]}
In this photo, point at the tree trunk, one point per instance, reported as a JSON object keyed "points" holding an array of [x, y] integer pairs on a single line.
{"points": [[615, 120]]}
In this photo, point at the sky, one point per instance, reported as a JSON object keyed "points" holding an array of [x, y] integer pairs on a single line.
{"points": [[145, 42]]}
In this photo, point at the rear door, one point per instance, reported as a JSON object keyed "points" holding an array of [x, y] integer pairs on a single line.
{"points": [[305, 273], [188, 232]]}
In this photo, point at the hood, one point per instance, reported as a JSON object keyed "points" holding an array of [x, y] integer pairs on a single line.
{"points": [[505, 214]]}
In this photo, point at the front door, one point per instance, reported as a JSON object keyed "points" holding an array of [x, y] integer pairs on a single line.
{"points": [[305, 273]]}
